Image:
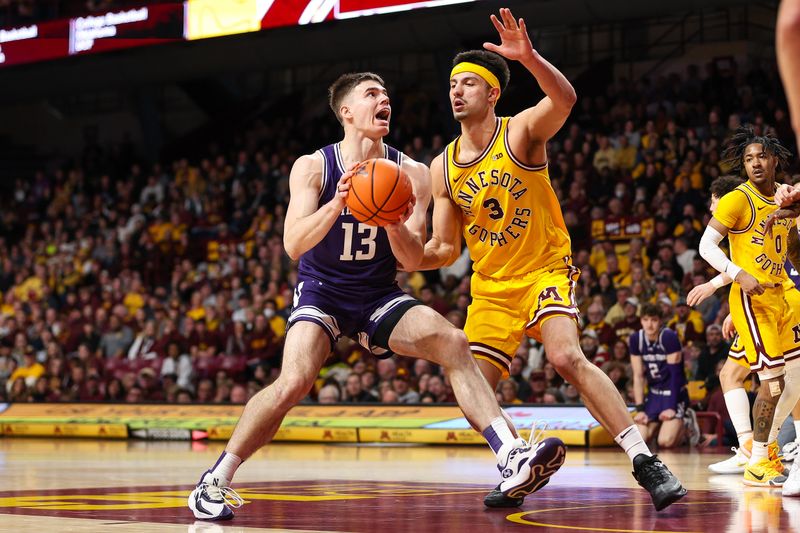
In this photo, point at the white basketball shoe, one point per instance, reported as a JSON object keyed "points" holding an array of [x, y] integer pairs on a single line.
{"points": [[732, 465], [210, 501], [791, 487]]}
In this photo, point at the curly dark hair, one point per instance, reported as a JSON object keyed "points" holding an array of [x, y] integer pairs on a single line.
{"points": [[733, 154]]}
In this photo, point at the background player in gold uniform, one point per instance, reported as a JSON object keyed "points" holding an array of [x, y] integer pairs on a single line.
{"points": [[767, 326], [492, 185], [737, 368]]}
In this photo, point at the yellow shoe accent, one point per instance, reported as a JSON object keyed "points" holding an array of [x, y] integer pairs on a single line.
{"points": [[773, 450], [763, 474]]}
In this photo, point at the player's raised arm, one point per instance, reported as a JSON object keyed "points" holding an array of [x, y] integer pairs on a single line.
{"points": [[407, 237], [445, 244], [533, 127], [787, 49], [306, 223]]}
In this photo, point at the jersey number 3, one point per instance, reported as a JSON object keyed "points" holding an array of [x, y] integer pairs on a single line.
{"points": [[494, 205], [366, 247]]}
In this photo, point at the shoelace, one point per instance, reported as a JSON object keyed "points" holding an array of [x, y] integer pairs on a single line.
{"points": [[654, 472], [536, 435], [537, 432], [227, 494]]}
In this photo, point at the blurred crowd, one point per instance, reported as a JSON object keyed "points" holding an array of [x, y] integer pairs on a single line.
{"points": [[168, 282]]}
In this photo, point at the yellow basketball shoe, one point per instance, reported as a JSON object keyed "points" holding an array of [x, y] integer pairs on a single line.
{"points": [[763, 474], [774, 456], [773, 453]]}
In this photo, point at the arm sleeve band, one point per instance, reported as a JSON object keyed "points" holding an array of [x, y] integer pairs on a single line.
{"points": [[720, 280], [710, 251]]}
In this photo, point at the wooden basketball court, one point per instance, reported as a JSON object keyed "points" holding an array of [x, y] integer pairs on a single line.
{"points": [[101, 485]]}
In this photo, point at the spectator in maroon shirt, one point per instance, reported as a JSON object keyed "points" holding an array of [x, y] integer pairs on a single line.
{"points": [[261, 342], [538, 385]]}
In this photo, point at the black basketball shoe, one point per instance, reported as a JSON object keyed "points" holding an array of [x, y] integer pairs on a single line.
{"points": [[655, 478], [540, 457], [497, 499]]}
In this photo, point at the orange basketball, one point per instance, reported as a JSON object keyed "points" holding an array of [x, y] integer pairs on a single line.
{"points": [[379, 193]]}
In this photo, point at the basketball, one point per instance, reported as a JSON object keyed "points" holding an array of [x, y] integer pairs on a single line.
{"points": [[379, 193]]}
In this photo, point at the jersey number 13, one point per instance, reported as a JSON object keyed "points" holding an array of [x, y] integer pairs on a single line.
{"points": [[366, 246]]}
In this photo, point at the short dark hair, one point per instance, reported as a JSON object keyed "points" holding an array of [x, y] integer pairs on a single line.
{"points": [[342, 87], [651, 309], [725, 184], [494, 63]]}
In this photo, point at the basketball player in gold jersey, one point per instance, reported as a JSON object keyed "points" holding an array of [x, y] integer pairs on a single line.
{"points": [[767, 325], [492, 185]]}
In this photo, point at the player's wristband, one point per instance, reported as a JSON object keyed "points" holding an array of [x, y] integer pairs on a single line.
{"points": [[639, 407], [732, 269], [717, 281]]}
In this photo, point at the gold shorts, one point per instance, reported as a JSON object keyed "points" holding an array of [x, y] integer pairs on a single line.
{"points": [[502, 310], [768, 331]]}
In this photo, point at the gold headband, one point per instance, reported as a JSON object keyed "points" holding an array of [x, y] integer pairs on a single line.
{"points": [[483, 72]]}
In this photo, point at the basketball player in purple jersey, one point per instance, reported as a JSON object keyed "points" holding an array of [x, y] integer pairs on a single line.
{"points": [[656, 359], [346, 287]]}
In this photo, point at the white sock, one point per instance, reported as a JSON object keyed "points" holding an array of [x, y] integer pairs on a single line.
{"points": [[499, 437], [797, 430], [788, 399], [738, 405], [632, 442], [223, 470], [759, 452]]}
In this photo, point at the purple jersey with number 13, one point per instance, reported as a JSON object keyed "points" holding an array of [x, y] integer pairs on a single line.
{"points": [[352, 253]]}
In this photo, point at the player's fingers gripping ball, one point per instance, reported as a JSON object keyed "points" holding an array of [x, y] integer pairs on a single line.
{"points": [[379, 192]]}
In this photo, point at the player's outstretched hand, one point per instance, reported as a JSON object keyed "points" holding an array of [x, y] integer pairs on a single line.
{"points": [[749, 284], [667, 414], [641, 418], [515, 44], [728, 331], [698, 294], [787, 194]]}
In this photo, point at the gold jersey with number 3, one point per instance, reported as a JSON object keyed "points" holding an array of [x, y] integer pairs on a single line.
{"points": [[512, 219], [744, 211]]}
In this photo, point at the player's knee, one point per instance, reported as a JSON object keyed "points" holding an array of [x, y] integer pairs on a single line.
{"points": [[730, 377], [292, 389], [667, 440], [566, 360], [453, 346]]}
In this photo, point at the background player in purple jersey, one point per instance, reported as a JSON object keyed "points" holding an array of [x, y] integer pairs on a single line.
{"points": [[346, 287], [657, 360]]}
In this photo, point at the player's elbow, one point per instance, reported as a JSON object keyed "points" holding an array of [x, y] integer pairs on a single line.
{"points": [[570, 97], [788, 22], [292, 248]]}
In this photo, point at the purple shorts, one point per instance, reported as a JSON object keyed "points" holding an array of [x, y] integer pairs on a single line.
{"points": [[366, 315], [658, 401]]}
